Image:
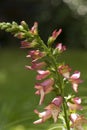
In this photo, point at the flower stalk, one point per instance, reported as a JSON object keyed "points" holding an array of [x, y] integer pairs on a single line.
{"points": [[55, 75]]}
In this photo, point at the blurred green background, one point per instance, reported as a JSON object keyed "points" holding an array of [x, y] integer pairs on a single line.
{"points": [[17, 98]]}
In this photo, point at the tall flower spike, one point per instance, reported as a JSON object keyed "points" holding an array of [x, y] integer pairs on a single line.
{"points": [[52, 110], [44, 88], [75, 80]]}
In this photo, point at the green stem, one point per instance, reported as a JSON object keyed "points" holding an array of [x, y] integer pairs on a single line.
{"points": [[66, 115]]}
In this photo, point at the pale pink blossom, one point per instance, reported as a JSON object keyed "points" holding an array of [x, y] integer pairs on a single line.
{"points": [[36, 65], [43, 116], [77, 121], [44, 88], [64, 70], [34, 29], [52, 110], [77, 100], [56, 33], [60, 47], [25, 44], [74, 104], [42, 74], [75, 80], [35, 54]]}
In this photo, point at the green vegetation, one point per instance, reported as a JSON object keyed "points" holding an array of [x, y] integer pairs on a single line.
{"points": [[17, 98]]}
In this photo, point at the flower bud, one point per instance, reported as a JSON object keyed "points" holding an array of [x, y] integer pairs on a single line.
{"points": [[25, 25], [55, 34], [34, 29]]}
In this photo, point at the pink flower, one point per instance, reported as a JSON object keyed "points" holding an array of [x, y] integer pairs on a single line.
{"points": [[75, 80], [77, 121], [74, 104], [43, 116], [56, 33], [52, 38], [44, 88], [34, 29], [36, 66], [26, 44], [36, 54], [42, 74], [19, 35], [52, 110], [60, 47], [56, 101], [65, 71]]}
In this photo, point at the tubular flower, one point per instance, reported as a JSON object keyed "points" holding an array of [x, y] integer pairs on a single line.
{"points": [[42, 74], [56, 33], [52, 110], [43, 116], [75, 80], [35, 54], [34, 29], [77, 121], [65, 71], [44, 88], [60, 47], [26, 44], [19, 35], [75, 104], [36, 66]]}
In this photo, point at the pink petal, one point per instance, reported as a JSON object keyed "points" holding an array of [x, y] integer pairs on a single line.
{"points": [[37, 92], [73, 117], [75, 87], [56, 33], [66, 75], [42, 96], [60, 47], [38, 121], [76, 75], [48, 82], [77, 100], [74, 106], [28, 67], [42, 74], [57, 101]]}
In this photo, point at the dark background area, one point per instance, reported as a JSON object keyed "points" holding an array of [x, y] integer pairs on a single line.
{"points": [[69, 15]]}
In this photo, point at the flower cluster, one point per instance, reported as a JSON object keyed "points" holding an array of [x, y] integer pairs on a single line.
{"points": [[51, 75]]}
